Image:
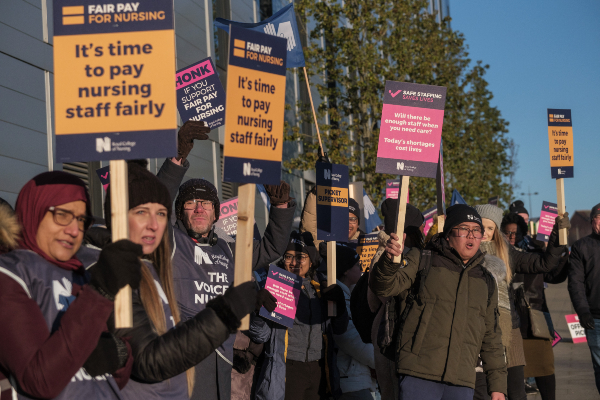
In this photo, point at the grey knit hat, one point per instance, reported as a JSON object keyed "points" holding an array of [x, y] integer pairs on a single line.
{"points": [[490, 212]]}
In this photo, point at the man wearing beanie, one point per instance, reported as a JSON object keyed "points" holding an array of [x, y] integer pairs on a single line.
{"points": [[354, 220], [203, 265], [584, 287], [453, 318], [518, 207]]}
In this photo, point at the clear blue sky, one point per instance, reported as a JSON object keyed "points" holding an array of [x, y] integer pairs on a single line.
{"points": [[542, 54]]}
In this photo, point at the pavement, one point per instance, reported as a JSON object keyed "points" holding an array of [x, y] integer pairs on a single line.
{"points": [[572, 362]]}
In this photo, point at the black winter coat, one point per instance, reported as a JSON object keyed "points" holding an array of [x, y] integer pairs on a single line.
{"points": [[584, 275], [532, 268]]}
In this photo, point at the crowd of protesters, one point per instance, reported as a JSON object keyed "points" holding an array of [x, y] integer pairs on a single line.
{"points": [[457, 314]]}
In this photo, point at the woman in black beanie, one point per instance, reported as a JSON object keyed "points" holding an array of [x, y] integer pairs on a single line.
{"points": [[163, 356]]}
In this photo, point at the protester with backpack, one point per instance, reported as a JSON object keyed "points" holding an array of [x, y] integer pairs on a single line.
{"points": [[372, 312], [355, 358], [453, 317]]}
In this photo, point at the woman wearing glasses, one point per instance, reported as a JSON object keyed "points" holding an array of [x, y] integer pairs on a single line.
{"points": [[300, 362], [52, 343]]}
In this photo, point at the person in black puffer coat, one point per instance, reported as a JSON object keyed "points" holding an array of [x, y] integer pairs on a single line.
{"points": [[532, 266]]}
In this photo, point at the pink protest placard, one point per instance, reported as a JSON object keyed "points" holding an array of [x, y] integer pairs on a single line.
{"points": [[411, 129], [286, 287], [429, 216], [577, 331], [547, 217], [557, 338]]}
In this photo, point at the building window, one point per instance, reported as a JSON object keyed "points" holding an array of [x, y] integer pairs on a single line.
{"points": [[86, 171]]}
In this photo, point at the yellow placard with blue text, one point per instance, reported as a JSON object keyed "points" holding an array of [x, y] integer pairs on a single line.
{"points": [[254, 111], [114, 95]]}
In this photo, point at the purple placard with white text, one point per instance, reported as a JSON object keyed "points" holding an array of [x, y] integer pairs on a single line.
{"points": [[547, 217], [286, 288], [200, 95]]}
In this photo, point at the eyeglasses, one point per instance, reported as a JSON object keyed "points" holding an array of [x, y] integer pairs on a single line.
{"points": [[299, 257], [193, 204], [463, 231], [65, 217], [510, 234], [353, 220]]}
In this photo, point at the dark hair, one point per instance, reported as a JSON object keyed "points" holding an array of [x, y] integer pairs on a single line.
{"points": [[414, 237], [513, 218]]}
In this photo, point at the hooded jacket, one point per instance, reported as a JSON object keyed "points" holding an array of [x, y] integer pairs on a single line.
{"points": [[452, 321], [270, 384], [355, 358]]}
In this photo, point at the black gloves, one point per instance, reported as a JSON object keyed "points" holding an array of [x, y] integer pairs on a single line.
{"points": [[108, 357], [190, 131], [587, 321], [235, 304], [279, 194], [265, 299], [563, 222], [336, 294], [118, 265], [323, 157]]}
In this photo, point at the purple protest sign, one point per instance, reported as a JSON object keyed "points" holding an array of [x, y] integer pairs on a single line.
{"points": [[286, 287], [200, 95], [547, 217], [429, 216]]}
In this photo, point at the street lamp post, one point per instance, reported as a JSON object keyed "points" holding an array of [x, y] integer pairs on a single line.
{"points": [[529, 194]]}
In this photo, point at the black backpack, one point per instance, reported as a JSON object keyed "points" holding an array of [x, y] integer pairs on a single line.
{"points": [[392, 321], [362, 317]]}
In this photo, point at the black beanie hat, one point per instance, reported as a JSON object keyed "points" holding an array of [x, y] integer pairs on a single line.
{"points": [[197, 189], [389, 209], [518, 207], [595, 211], [459, 213], [303, 243], [143, 187], [345, 257], [354, 208]]}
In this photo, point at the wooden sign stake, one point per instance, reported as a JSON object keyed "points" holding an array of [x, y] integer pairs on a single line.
{"points": [[313, 110], [331, 274], [244, 240], [403, 190], [560, 201], [119, 203]]}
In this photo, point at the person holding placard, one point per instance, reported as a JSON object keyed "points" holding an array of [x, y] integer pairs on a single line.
{"points": [[453, 318], [300, 362], [54, 344], [163, 356], [584, 287], [532, 267], [203, 265]]}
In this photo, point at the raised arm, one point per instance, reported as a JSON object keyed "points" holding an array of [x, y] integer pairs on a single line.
{"points": [[390, 279]]}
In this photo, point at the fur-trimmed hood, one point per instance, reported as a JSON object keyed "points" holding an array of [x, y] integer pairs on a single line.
{"points": [[9, 229]]}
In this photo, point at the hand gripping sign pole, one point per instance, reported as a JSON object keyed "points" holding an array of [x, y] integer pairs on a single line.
{"points": [[252, 151]]}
